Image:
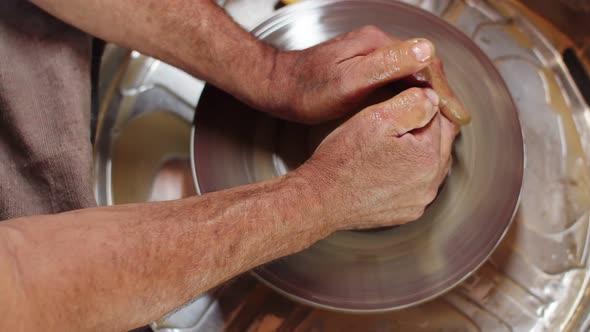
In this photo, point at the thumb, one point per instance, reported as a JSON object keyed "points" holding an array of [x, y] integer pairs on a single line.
{"points": [[390, 63], [412, 109]]}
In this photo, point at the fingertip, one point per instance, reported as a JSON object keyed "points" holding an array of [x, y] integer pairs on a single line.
{"points": [[423, 50], [454, 111]]}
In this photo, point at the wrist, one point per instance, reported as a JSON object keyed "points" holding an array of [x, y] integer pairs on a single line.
{"points": [[258, 80], [308, 203], [323, 192], [243, 72], [278, 89], [272, 87]]}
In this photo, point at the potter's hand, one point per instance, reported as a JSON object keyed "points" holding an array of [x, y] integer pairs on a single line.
{"points": [[331, 79], [384, 165]]}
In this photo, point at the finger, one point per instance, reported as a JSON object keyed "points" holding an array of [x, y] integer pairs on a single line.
{"points": [[410, 110], [447, 137], [450, 105], [390, 63]]}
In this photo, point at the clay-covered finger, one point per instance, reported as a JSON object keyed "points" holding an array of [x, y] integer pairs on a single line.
{"points": [[448, 132], [450, 105], [391, 63], [410, 110]]}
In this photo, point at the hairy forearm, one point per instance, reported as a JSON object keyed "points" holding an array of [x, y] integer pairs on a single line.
{"points": [[119, 267], [194, 35]]}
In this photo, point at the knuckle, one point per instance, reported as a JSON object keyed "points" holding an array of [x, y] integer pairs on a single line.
{"points": [[414, 97], [402, 102], [395, 56], [385, 67], [395, 59], [417, 94]]}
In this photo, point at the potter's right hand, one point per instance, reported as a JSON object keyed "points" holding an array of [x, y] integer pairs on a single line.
{"points": [[384, 165]]}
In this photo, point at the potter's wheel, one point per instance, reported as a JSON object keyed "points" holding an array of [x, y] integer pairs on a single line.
{"points": [[385, 269], [537, 279]]}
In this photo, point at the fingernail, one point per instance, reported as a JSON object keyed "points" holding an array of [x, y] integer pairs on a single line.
{"points": [[423, 50], [432, 96]]}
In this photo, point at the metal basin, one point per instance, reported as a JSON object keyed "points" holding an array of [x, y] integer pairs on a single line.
{"points": [[406, 265]]}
